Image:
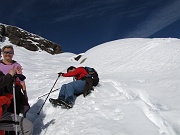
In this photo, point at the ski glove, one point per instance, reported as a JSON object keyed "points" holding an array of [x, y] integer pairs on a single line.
{"points": [[60, 74]]}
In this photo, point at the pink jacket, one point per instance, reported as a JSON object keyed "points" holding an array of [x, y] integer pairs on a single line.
{"points": [[5, 68]]}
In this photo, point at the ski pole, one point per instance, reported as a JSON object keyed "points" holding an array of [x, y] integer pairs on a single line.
{"points": [[48, 95], [14, 99], [22, 77]]}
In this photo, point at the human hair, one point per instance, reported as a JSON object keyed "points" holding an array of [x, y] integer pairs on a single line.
{"points": [[70, 68], [7, 46]]}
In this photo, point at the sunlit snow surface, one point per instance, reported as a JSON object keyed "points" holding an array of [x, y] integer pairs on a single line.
{"points": [[138, 93]]}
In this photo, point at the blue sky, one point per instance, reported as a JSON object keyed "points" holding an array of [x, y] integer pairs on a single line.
{"points": [[78, 25]]}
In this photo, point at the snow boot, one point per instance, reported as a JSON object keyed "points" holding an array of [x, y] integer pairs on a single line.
{"points": [[55, 102], [68, 104]]}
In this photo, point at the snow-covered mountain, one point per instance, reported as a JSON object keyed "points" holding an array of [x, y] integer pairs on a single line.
{"points": [[138, 93]]}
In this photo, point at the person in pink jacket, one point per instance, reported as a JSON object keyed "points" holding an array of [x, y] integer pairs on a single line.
{"points": [[6, 64], [7, 121]]}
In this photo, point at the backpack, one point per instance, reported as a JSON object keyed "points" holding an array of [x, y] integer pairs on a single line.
{"points": [[93, 74]]}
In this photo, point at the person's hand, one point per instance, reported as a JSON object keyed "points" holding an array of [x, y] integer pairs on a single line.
{"points": [[60, 74], [19, 70], [12, 72]]}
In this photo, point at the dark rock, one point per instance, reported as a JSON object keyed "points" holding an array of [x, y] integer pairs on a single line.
{"points": [[78, 57], [2, 32], [30, 41]]}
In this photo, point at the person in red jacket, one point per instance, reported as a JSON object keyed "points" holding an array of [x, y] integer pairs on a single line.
{"points": [[68, 91]]}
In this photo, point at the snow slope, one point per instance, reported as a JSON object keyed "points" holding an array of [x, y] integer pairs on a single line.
{"points": [[138, 93]]}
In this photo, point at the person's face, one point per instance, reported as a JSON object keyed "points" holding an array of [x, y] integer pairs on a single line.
{"points": [[8, 53]]}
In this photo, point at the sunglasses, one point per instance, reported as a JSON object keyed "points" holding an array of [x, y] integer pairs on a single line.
{"points": [[10, 52]]}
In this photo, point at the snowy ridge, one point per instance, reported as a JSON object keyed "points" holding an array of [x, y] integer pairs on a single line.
{"points": [[138, 93]]}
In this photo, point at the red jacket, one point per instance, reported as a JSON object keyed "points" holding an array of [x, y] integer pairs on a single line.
{"points": [[78, 73]]}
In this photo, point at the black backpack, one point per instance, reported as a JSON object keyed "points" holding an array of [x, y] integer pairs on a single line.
{"points": [[93, 74]]}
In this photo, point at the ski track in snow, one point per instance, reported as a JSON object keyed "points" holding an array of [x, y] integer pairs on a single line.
{"points": [[150, 107]]}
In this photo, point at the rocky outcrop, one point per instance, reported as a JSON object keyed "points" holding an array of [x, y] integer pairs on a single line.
{"points": [[30, 41], [78, 57], [2, 32]]}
